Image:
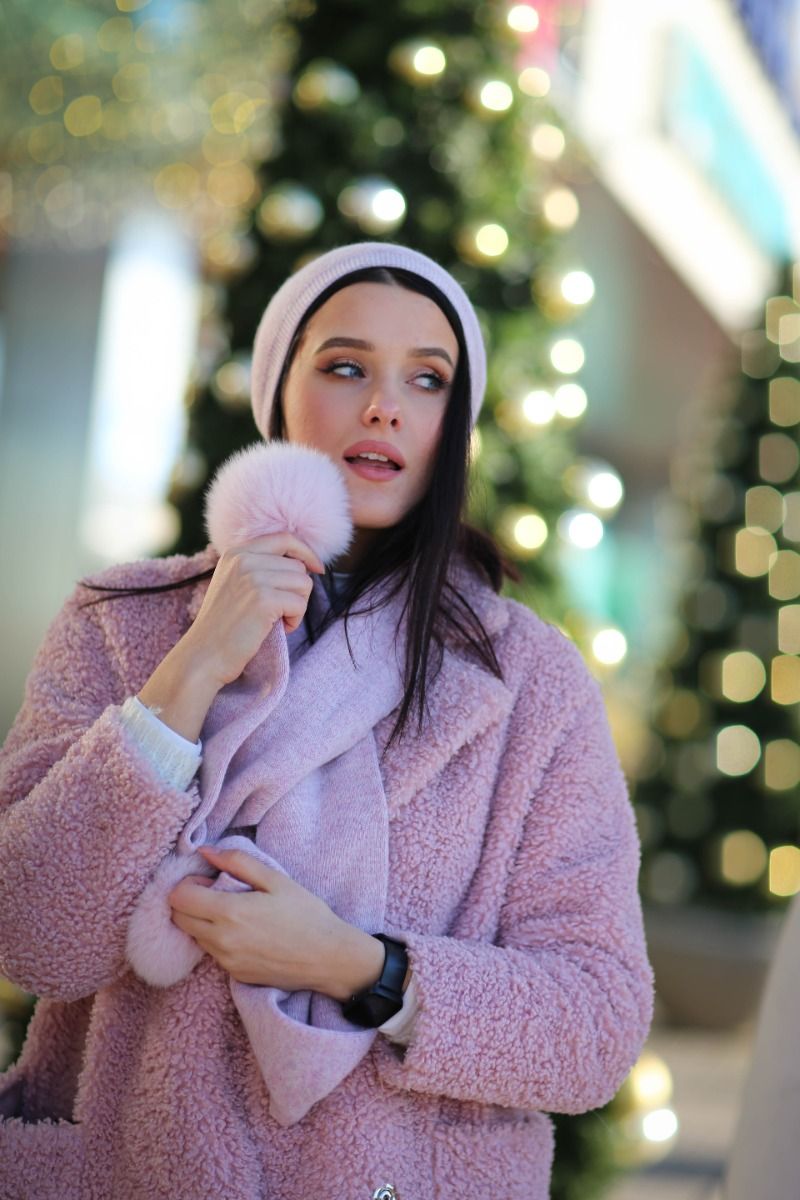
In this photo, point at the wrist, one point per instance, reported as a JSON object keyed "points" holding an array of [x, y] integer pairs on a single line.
{"points": [[358, 963], [180, 692]]}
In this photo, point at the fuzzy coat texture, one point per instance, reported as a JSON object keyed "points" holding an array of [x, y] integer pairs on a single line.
{"points": [[513, 873]]}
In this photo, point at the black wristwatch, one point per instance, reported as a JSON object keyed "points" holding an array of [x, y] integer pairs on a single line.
{"points": [[374, 1005]]}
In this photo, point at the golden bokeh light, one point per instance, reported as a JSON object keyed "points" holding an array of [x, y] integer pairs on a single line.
{"points": [[131, 82], [560, 208], [530, 531], [785, 679], [534, 81], [778, 457], [789, 336], [753, 549], [776, 308], [548, 142], [791, 518], [738, 750], [784, 401], [47, 95], [784, 575], [539, 406], [784, 871], [67, 52], [763, 506], [567, 355], [83, 116], [571, 400], [742, 858], [781, 764], [609, 646], [491, 240], [743, 676], [177, 185], [233, 112], [789, 628], [232, 185], [429, 60], [115, 34], [523, 18], [496, 95], [46, 142]]}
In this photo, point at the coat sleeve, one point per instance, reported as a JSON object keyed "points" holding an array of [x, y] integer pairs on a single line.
{"points": [[85, 816], [553, 1014]]}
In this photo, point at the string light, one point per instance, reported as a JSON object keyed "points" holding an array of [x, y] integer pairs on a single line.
{"points": [[609, 646], [567, 356], [784, 871], [577, 287], [548, 142], [738, 750], [539, 406], [374, 204], [419, 62], [534, 81], [560, 208], [571, 400], [496, 96], [523, 18], [583, 529]]}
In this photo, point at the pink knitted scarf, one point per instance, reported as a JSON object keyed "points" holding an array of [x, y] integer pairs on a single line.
{"points": [[291, 752]]}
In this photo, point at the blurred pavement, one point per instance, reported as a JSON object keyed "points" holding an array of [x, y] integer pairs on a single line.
{"points": [[709, 1069]]}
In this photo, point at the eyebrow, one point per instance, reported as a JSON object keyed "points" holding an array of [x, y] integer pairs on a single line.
{"points": [[417, 352]]}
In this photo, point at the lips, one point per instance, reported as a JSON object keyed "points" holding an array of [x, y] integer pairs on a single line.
{"points": [[396, 461]]}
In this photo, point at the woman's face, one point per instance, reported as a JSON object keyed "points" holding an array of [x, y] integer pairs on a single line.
{"points": [[383, 387]]}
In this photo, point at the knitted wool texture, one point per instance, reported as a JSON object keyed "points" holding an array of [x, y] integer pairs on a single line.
{"points": [[287, 306], [292, 754]]}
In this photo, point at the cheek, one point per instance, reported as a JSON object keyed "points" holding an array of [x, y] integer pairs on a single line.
{"points": [[428, 439], [308, 418]]}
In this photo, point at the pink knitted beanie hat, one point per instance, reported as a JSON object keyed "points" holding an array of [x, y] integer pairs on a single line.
{"points": [[287, 306]]}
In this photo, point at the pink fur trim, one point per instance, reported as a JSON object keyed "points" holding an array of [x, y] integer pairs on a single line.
{"points": [[274, 486], [159, 952]]}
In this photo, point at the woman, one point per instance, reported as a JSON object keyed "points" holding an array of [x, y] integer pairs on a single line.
{"points": [[515, 970]]}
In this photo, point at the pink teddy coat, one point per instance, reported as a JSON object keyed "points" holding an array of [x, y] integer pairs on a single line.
{"points": [[513, 883]]}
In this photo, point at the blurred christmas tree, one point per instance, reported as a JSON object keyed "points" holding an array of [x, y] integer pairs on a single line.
{"points": [[719, 810]]}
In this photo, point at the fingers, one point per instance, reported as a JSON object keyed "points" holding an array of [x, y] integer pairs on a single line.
{"points": [[242, 865], [291, 547], [197, 902]]}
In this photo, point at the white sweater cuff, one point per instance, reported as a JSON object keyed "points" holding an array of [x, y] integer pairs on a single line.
{"points": [[176, 758], [400, 1027]]}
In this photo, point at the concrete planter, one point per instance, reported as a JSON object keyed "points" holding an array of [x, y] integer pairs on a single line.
{"points": [[710, 966]]}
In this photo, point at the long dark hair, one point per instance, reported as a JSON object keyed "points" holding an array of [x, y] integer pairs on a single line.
{"points": [[418, 550]]}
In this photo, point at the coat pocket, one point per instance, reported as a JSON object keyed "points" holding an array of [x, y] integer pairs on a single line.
{"points": [[505, 1154], [40, 1158]]}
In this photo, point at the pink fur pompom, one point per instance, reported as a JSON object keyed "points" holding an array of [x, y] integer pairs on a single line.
{"points": [[159, 952], [275, 486]]}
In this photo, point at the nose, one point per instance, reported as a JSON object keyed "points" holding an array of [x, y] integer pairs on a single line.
{"points": [[383, 408]]}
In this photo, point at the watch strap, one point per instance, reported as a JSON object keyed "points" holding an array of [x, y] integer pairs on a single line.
{"points": [[377, 1003]]}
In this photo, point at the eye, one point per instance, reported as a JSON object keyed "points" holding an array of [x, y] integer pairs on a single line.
{"points": [[439, 381], [334, 366]]}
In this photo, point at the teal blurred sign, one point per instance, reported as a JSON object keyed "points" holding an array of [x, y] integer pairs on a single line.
{"points": [[700, 119]]}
